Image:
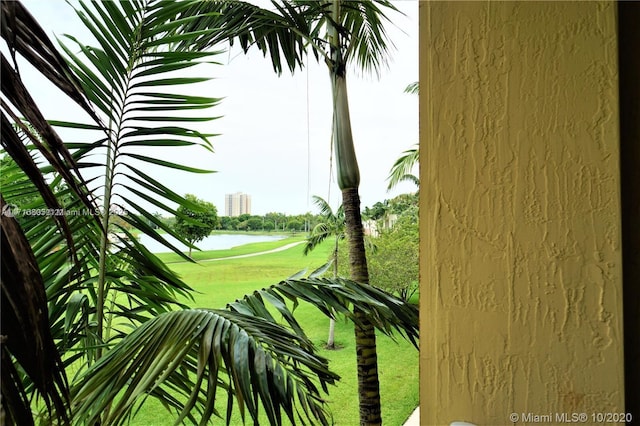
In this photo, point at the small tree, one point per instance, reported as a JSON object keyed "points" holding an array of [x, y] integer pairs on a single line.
{"points": [[294, 225], [394, 262], [377, 211], [254, 224], [194, 224], [331, 225], [268, 226]]}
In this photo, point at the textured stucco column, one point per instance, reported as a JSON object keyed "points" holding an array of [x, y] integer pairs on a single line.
{"points": [[521, 289]]}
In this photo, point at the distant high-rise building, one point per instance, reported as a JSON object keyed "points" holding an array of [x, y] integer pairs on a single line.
{"points": [[237, 204]]}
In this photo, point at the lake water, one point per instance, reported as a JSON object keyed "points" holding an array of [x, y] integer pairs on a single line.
{"points": [[212, 242]]}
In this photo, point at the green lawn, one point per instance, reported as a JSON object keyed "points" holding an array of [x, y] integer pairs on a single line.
{"points": [[235, 251], [220, 282]]}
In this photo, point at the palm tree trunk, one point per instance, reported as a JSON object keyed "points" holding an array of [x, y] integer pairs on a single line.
{"points": [[349, 180], [367, 357], [348, 176], [332, 322], [331, 342]]}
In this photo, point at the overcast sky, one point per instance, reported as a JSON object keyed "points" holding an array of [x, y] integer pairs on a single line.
{"points": [[267, 148]]}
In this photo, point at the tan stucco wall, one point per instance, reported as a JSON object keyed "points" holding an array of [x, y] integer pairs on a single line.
{"points": [[521, 304]]}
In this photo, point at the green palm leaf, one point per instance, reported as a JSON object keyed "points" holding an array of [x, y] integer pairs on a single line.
{"points": [[183, 358], [369, 46], [332, 225], [401, 169], [413, 88], [336, 295], [131, 76], [27, 339], [298, 26], [252, 26], [190, 354]]}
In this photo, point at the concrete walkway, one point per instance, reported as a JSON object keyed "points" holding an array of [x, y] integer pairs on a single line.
{"points": [[414, 418], [275, 250]]}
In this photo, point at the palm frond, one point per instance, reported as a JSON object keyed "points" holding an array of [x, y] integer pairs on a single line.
{"points": [[401, 169], [368, 45], [325, 209], [26, 339], [62, 277], [17, 103], [184, 358], [295, 28], [134, 77], [282, 36], [332, 225], [318, 234], [413, 88], [25, 36], [335, 295], [410, 178]]}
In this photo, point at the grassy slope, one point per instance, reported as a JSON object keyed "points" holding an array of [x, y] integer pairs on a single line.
{"points": [[235, 251], [220, 282]]}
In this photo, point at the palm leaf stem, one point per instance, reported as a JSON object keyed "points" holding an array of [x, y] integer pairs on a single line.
{"points": [[110, 173]]}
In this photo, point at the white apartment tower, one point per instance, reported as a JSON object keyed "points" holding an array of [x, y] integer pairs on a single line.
{"points": [[237, 204]]}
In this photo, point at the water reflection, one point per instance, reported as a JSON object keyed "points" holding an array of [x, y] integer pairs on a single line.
{"points": [[212, 242]]}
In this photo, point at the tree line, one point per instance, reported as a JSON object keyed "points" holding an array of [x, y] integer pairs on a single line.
{"points": [[207, 214]]}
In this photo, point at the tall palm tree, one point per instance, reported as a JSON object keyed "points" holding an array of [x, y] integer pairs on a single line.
{"points": [[341, 33], [331, 225], [180, 356]]}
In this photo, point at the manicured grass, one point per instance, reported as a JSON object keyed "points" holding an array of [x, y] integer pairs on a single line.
{"points": [[220, 282], [235, 251]]}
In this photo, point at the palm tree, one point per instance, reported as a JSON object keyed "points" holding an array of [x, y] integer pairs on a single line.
{"points": [[63, 274], [332, 225], [341, 33], [122, 79]]}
